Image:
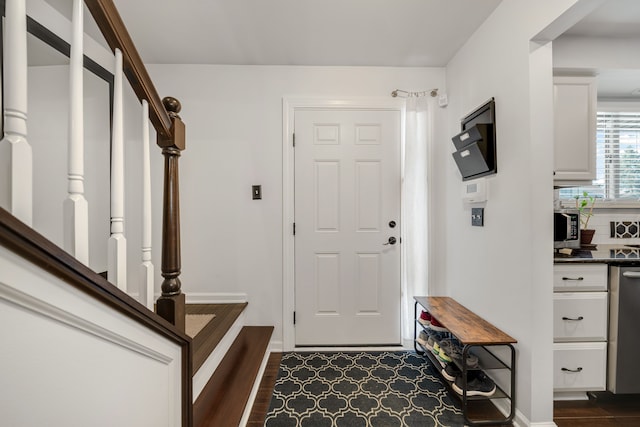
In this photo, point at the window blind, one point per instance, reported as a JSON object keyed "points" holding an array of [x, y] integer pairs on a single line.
{"points": [[617, 158]]}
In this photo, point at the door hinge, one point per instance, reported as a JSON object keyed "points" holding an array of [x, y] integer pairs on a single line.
{"points": [[294, 228], [294, 139], [294, 317]]}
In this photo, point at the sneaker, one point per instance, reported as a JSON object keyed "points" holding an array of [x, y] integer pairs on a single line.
{"points": [[422, 338], [478, 384], [430, 342], [435, 349], [450, 371], [425, 318], [433, 338], [454, 351], [446, 347], [437, 326]]}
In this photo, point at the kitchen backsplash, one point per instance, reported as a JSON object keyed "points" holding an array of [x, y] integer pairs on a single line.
{"points": [[616, 228]]}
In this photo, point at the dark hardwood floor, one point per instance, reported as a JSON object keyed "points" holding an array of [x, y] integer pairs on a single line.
{"points": [[602, 410], [263, 398]]}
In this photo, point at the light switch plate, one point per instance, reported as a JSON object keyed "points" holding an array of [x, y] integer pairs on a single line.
{"points": [[477, 217], [256, 191]]}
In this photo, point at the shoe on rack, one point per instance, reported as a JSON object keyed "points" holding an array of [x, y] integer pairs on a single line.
{"points": [[478, 384], [451, 371], [446, 348], [435, 348], [422, 339], [455, 352], [434, 337], [437, 326], [425, 318]]}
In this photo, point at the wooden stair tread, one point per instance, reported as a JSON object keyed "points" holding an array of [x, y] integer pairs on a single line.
{"points": [[225, 396], [210, 336], [467, 326]]}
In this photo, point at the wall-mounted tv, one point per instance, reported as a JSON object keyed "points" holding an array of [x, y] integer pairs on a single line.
{"points": [[475, 145]]}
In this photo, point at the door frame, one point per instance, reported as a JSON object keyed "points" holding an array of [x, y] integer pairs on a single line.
{"points": [[291, 104]]}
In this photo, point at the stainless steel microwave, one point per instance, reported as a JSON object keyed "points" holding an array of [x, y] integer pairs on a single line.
{"points": [[566, 228]]}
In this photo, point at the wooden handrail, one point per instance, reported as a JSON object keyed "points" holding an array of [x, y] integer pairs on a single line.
{"points": [[170, 132], [115, 33]]}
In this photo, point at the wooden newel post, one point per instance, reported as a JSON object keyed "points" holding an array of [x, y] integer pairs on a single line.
{"points": [[171, 304]]}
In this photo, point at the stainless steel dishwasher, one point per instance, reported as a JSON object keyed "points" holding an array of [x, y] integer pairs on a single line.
{"points": [[624, 330]]}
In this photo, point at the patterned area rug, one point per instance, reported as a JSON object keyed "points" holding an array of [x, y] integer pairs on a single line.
{"points": [[360, 389]]}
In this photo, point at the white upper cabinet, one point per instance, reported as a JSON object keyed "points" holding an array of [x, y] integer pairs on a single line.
{"points": [[575, 102]]}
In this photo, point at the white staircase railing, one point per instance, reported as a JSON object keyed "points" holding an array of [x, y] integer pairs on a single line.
{"points": [[146, 268], [117, 254], [76, 209], [17, 167], [17, 196], [16, 153]]}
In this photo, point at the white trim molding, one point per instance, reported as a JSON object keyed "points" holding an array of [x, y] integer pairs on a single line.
{"points": [[289, 106], [48, 311], [215, 298]]}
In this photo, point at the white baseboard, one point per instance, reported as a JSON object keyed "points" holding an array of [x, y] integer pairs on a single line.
{"points": [[276, 346], [216, 298], [544, 424], [570, 395], [354, 348], [519, 420]]}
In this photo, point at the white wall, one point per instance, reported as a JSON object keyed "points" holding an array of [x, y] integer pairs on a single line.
{"points": [[233, 114], [593, 53], [69, 360], [507, 274]]}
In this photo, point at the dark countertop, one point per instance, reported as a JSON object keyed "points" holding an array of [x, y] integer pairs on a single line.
{"points": [[612, 254]]}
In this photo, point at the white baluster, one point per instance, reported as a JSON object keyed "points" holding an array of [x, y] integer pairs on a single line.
{"points": [[17, 166], [146, 269], [76, 209], [117, 252]]}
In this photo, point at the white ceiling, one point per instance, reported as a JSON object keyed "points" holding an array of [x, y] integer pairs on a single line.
{"points": [[336, 32], [300, 32], [614, 19]]}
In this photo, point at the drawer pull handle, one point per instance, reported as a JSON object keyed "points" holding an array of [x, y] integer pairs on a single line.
{"points": [[575, 320], [573, 278], [579, 369]]}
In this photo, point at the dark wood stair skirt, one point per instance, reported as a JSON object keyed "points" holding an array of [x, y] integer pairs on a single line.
{"points": [[222, 401]]}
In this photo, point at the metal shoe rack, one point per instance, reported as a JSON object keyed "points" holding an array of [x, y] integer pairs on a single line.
{"points": [[493, 347]]}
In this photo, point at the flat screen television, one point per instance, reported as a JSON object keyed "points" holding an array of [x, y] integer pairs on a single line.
{"points": [[475, 153]]}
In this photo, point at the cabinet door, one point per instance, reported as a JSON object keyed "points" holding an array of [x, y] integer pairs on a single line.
{"points": [[580, 277], [579, 366], [575, 103], [580, 316]]}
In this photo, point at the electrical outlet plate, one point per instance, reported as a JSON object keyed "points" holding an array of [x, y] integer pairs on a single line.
{"points": [[477, 217]]}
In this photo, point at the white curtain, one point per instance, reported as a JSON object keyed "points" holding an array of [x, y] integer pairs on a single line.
{"points": [[415, 207]]}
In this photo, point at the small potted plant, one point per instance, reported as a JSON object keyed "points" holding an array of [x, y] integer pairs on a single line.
{"points": [[584, 204]]}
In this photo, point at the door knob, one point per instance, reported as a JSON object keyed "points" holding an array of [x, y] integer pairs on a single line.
{"points": [[391, 241]]}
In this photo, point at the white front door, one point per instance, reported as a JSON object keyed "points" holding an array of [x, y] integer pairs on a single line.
{"points": [[347, 227]]}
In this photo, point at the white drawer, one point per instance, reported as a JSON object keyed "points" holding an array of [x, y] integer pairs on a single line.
{"points": [[579, 366], [580, 316], [580, 277]]}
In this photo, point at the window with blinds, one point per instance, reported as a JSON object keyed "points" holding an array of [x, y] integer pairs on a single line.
{"points": [[617, 158]]}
